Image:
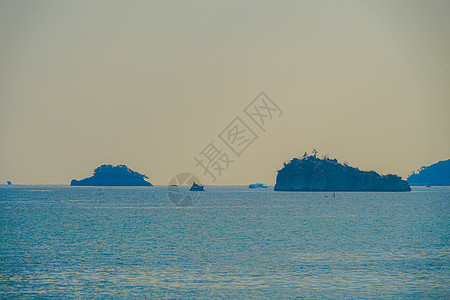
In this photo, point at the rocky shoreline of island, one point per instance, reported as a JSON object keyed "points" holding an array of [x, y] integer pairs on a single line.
{"points": [[311, 173]]}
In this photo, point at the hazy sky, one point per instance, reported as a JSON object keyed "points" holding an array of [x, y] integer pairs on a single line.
{"points": [[150, 84]]}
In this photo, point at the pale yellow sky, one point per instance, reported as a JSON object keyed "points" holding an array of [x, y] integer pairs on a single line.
{"points": [[150, 84]]}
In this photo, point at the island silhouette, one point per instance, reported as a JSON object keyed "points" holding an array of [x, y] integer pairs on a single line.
{"points": [[109, 175], [437, 174], [197, 187], [310, 173]]}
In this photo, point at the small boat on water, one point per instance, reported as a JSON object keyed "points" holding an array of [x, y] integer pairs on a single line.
{"points": [[257, 186], [197, 187]]}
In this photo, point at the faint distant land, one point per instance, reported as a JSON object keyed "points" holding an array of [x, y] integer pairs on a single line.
{"points": [[109, 175], [311, 173], [437, 174]]}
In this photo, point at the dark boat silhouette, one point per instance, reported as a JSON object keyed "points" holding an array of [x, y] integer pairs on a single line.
{"points": [[197, 187]]}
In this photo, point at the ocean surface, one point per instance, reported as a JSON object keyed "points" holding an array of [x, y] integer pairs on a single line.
{"points": [[233, 243]]}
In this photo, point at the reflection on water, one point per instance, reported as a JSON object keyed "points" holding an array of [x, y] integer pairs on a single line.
{"points": [[126, 242]]}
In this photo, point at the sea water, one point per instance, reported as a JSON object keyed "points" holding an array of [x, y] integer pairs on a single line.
{"points": [[233, 243]]}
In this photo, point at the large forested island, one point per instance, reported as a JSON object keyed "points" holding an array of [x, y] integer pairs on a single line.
{"points": [[437, 174], [109, 175], [311, 173]]}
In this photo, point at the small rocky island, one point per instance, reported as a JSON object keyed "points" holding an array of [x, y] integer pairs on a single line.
{"points": [[311, 173], [109, 175], [197, 187]]}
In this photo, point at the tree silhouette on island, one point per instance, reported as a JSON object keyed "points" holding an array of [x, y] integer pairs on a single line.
{"points": [[109, 175], [311, 173]]}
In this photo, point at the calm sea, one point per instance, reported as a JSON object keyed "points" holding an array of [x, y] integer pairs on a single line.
{"points": [[234, 243]]}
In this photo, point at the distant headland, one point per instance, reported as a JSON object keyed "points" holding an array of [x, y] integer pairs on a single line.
{"points": [[109, 175], [311, 173], [437, 174]]}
